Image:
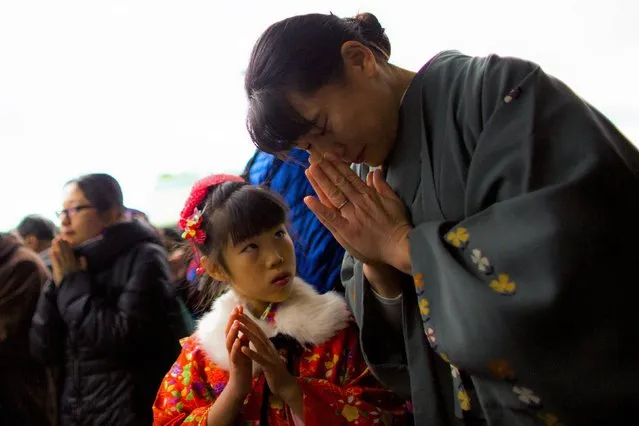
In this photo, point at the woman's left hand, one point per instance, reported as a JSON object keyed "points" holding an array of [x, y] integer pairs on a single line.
{"points": [[280, 381], [63, 260], [368, 219]]}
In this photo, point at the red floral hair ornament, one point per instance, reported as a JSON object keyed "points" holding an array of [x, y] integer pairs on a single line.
{"points": [[191, 217]]}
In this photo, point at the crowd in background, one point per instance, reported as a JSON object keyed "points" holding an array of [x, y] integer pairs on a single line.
{"points": [[30, 379], [476, 215]]}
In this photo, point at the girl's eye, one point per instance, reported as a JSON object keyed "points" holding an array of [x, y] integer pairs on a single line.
{"points": [[280, 234], [249, 248]]}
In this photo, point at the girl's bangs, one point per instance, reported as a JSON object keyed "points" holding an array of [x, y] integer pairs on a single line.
{"points": [[249, 213]]}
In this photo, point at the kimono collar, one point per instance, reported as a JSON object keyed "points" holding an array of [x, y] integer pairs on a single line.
{"points": [[410, 163], [308, 317], [402, 168]]}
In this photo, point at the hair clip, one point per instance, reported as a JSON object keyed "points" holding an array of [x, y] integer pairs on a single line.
{"points": [[191, 224], [192, 232], [192, 229]]}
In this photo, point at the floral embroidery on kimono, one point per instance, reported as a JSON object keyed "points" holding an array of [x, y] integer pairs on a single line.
{"points": [[459, 237], [503, 285], [481, 261], [337, 387]]}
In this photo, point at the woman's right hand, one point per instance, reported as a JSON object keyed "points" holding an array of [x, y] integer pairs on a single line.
{"points": [[241, 366], [64, 261]]}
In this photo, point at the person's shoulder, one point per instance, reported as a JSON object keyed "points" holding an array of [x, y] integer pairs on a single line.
{"points": [[190, 344], [347, 336], [258, 167], [507, 68], [444, 62], [192, 350], [195, 355], [26, 256], [149, 250], [144, 256], [453, 64]]}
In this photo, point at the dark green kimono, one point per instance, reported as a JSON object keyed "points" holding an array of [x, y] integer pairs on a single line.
{"points": [[523, 305]]}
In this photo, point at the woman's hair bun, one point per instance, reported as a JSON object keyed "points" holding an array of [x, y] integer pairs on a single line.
{"points": [[373, 32]]}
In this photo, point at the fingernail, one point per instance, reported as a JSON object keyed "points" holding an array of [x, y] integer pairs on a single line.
{"points": [[330, 157]]}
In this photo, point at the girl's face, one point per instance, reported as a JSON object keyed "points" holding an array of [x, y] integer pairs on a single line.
{"points": [[261, 268]]}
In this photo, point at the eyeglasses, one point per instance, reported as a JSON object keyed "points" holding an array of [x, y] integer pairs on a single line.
{"points": [[72, 211]]}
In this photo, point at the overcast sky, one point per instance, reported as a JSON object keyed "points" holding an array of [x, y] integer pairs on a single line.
{"points": [[137, 88]]}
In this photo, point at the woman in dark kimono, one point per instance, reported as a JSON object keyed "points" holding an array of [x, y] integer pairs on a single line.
{"points": [[490, 263]]}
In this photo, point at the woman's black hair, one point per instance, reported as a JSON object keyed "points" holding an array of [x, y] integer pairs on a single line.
{"points": [[300, 55], [234, 212], [102, 190]]}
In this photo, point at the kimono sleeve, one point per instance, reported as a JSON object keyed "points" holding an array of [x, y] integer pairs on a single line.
{"points": [[185, 396], [385, 356], [371, 318], [357, 398], [536, 287]]}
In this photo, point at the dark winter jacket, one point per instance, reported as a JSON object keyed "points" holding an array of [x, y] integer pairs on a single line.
{"points": [[112, 329]]}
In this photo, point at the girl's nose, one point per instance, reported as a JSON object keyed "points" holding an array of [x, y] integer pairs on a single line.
{"points": [[275, 259]]}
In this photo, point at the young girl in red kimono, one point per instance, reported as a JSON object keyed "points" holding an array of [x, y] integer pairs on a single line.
{"points": [[271, 350]]}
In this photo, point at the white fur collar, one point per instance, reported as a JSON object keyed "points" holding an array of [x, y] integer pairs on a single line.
{"points": [[307, 316]]}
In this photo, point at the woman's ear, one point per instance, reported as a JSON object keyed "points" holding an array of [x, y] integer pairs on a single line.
{"points": [[358, 59], [214, 269]]}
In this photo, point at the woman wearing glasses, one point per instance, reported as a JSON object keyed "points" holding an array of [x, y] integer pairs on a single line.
{"points": [[109, 318]]}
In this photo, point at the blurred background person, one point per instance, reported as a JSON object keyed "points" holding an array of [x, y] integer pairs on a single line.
{"points": [[137, 214], [38, 233], [183, 273], [110, 316], [27, 396]]}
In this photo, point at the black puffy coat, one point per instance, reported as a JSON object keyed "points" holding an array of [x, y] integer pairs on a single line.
{"points": [[113, 330]]}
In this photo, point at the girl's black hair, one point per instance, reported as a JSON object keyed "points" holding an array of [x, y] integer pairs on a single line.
{"points": [[300, 55], [234, 212]]}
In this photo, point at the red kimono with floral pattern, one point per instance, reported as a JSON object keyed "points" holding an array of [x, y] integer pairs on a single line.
{"points": [[337, 386]]}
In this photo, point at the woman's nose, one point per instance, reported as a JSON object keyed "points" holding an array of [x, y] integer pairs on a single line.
{"points": [[337, 149], [64, 219]]}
